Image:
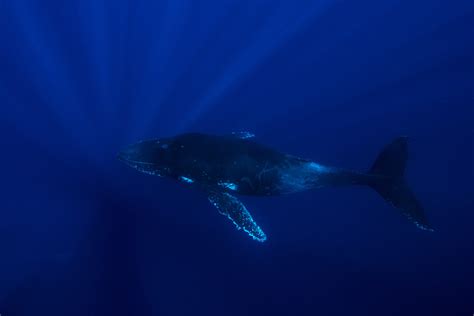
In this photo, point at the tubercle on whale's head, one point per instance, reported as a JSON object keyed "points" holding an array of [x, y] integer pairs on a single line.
{"points": [[150, 156]]}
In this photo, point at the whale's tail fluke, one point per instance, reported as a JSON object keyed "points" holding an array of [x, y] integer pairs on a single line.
{"points": [[389, 167]]}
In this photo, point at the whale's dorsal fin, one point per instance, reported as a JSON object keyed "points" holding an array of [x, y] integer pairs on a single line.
{"points": [[231, 207], [243, 135]]}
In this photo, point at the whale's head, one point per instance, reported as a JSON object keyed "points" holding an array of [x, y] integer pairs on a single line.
{"points": [[150, 156]]}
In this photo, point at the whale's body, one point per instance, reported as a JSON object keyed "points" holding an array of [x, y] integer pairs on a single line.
{"points": [[223, 166]]}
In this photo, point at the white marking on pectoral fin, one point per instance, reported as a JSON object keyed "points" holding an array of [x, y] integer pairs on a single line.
{"points": [[243, 135], [228, 185], [317, 167], [234, 210], [186, 179]]}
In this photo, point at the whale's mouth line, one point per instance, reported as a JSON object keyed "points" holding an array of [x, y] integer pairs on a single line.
{"points": [[136, 162], [144, 167], [123, 158]]}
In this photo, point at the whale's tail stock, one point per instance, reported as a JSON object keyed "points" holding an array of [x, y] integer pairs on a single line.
{"points": [[389, 167]]}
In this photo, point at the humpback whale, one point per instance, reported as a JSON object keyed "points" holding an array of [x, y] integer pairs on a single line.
{"points": [[224, 167]]}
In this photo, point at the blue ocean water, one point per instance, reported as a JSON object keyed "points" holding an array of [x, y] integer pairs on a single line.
{"points": [[333, 81]]}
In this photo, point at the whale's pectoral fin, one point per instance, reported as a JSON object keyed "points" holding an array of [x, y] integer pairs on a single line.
{"points": [[243, 135], [231, 207]]}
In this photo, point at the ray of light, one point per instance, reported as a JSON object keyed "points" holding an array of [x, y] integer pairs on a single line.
{"points": [[94, 22], [161, 80], [44, 65], [122, 68], [156, 77], [113, 49], [279, 29]]}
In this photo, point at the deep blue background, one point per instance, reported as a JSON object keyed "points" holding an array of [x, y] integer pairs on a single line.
{"points": [[81, 234]]}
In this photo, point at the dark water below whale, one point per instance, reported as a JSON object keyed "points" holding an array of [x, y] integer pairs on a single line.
{"points": [[332, 81]]}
